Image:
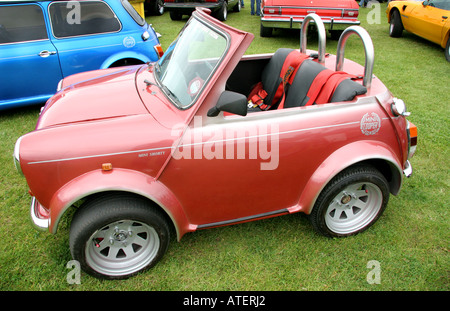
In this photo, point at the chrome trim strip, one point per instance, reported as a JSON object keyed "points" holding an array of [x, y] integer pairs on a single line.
{"points": [[199, 143], [39, 223], [99, 155], [247, 218], [16, 156], [408, 169]]}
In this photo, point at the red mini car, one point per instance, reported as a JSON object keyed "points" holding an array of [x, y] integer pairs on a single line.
{"points": [[335, 14], [207, 137]]}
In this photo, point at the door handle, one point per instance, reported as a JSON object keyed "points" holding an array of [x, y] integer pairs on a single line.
{"points": [[46, 53], [444, 17]]}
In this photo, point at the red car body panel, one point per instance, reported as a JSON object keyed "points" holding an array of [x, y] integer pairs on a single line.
{"points": [[116, 130]]}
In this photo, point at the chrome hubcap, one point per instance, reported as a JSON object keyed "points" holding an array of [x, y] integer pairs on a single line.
{"points": [[353, 208], [122, 247]]}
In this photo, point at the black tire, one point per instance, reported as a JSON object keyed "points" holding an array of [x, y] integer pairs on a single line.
{"points": [[175, 16], [395, 25], [237, 7], [351, 202], [158, 7], [222, 13], [118, 236], [335, 34], [265, 31], [447, 50]]}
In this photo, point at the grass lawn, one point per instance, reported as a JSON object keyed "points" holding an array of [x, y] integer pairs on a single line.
{"points": [[410, 241]]}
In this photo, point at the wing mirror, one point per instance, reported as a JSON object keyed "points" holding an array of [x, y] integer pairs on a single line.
{"points": [[231, 102]]}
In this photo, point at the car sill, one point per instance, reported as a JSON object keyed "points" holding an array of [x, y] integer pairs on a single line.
{"points": [[244, 219]]}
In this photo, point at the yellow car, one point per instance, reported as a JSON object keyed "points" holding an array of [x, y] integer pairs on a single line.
{"points": [[427, 19]]}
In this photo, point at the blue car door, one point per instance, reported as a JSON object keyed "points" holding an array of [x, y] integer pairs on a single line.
{"points": [[29, 64], [83, 34]]}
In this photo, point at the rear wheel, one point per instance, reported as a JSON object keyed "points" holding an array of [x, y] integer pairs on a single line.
{"points": [[175, 16], [158, 7], [117, 236], [351, 202], [265, 31], [396, 25]]}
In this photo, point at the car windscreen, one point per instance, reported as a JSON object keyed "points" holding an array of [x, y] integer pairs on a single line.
{"points": [[189, 62]]}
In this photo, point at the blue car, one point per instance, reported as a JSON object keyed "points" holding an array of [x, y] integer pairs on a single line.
{"points": [[41, 42]]}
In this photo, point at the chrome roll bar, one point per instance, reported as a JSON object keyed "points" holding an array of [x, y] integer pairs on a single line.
{"points": [[322, 35], [368, 49]]}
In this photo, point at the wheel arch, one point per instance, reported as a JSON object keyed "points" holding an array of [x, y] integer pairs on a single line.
{"points": [[383, 159], [119, 181], [114, 60], [391, 11], [445, 38]]}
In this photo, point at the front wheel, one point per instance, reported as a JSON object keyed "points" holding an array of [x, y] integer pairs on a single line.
{"points": [[395, 25], [115, 237], [351, 202], [447, 50], [222, 13]]}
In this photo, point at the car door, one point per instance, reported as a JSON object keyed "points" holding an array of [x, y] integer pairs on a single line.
{"points": [[83, 34], [428, 19], [29, 64]]}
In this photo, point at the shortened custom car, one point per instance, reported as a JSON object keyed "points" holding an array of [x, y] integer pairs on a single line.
{"points": [[208, 137]]}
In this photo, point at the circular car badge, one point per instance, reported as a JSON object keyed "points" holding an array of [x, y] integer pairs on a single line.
{"points": [[129, 42], [370, 124], [194, 86]]}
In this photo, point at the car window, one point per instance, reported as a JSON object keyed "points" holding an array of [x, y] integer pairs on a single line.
{"points": [[133, 13], [190, 61], [83, 18], [440, 4], [21, 23]]}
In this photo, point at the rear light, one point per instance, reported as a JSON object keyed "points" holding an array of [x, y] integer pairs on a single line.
{"points": [[272, 10], [159, 50], [211, 1], [412, 139], [351, 13]]}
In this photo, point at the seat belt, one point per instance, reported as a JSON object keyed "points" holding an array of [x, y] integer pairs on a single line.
{"points": [[292, 62]]}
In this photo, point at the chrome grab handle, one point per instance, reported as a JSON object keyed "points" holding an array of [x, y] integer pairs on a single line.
{"points": [[368, 49], [322, 35], [46, 53]]}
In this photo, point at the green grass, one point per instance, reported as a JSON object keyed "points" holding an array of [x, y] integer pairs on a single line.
{"points": [[410, 241]]}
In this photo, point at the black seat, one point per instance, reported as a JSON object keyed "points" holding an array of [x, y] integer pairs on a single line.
{"points": [[270, 77], [304, 77]]}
